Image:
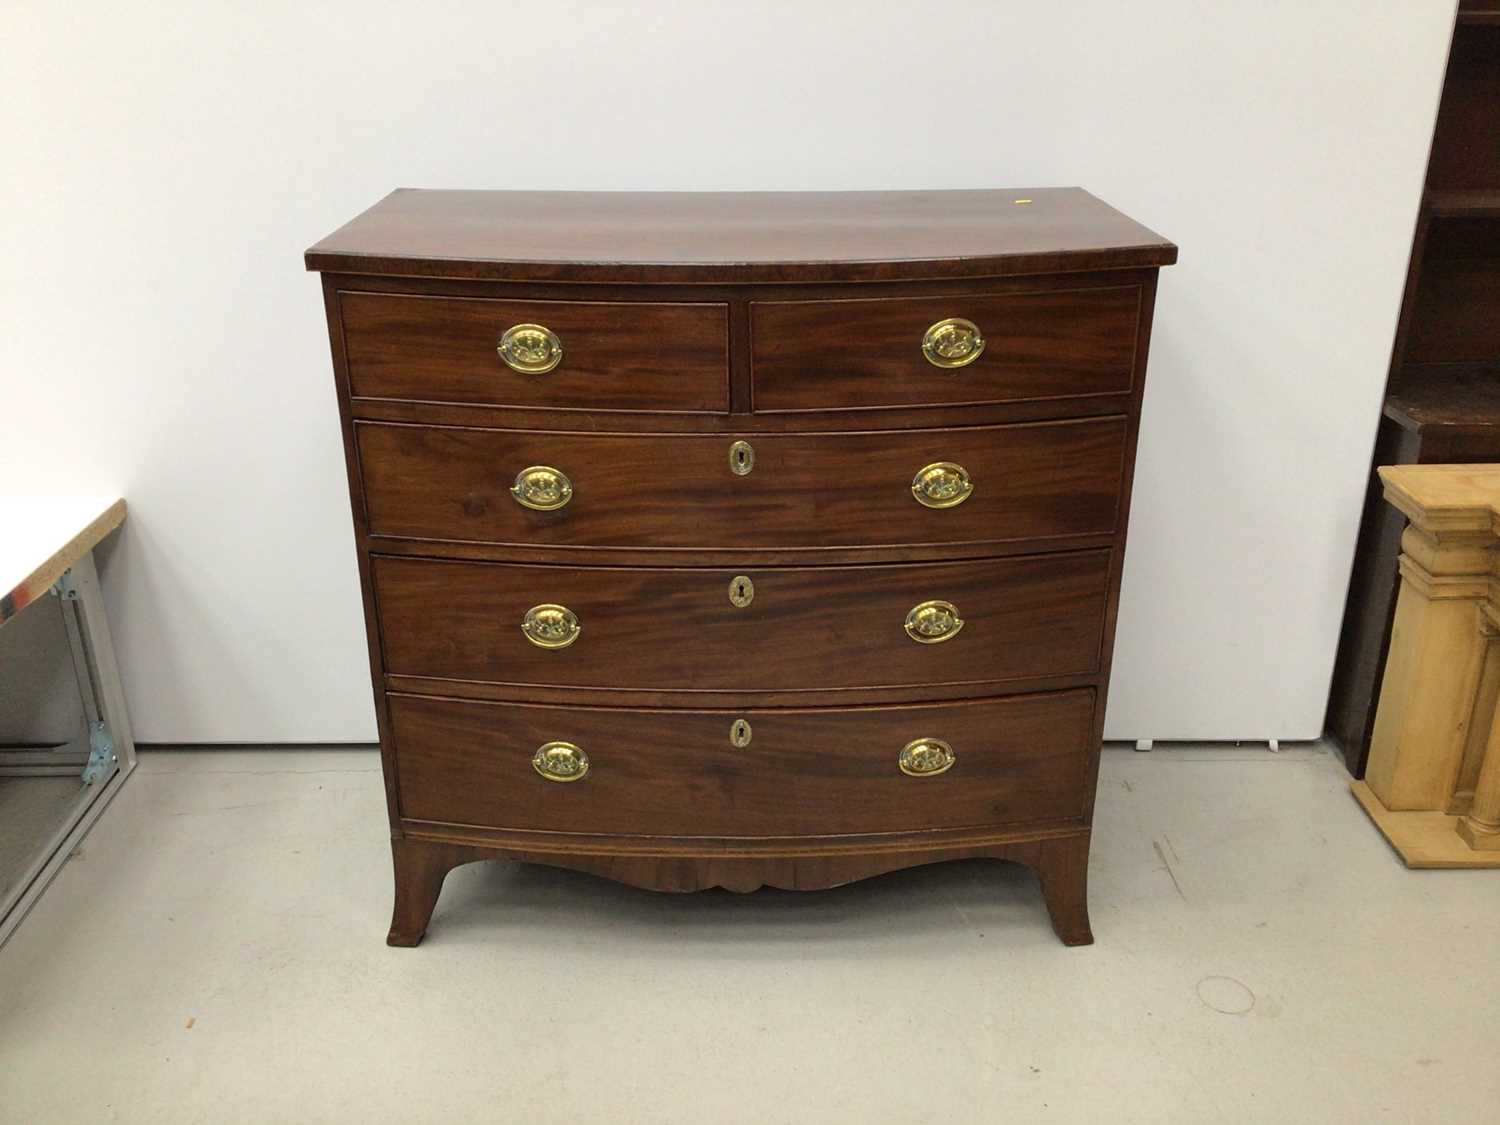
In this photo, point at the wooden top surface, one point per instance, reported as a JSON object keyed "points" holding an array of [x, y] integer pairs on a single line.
{"points": [[1464, 399], [41, 536], [1446, 498], [737, 236]]}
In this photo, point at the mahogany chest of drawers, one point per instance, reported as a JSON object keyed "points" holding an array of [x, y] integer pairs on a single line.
{"points": [[740, 539]]}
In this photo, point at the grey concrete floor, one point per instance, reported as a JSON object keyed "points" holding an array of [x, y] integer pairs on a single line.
{"points": [[214, 952]]}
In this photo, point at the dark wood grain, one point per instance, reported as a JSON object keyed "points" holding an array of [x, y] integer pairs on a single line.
{"points": [[568, 694], [1117, 555], [1457, 295], [616, 355], [866, 354], [738, 557], [1043, 482], [420, 868], [428, 852], [1455, 403], [737, 237], [792, 321], [1020, 760], [808, 629], [1440, 405], [489, 416], [1464, 152], [362, 556]]}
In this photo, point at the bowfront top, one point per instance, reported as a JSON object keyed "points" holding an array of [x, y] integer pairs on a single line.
{"points": [[737, 237]]}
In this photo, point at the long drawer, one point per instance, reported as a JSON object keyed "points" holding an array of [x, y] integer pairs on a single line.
{"points": [[985, 484], [804, 628], [1018, 760]]}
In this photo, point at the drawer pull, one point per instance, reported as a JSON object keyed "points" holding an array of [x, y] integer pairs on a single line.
{"points": [[551, 626], [542, 488], [531, 349], [740, 734], [933, 622], [926, 757], [560, 761], [952, 343], [741, 458], [741, 591], [942, 484]]}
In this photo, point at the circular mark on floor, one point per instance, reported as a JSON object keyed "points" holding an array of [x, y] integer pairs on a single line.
{"points": [[1225, 994]]}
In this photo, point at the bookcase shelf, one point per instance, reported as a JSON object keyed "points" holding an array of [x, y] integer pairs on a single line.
{"points": [[1442, 400]]}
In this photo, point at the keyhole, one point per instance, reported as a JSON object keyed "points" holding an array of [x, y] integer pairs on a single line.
{"points": [[741, 591], [739, 734], [741, 458]]}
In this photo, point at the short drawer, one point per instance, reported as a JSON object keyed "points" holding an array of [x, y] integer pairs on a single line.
{"points": [[1023, 759], [867, 354], [1040, 481], [610, 356], [803, 629]]}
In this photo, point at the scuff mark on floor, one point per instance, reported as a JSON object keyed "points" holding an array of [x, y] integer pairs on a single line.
{"points": [[1168, 841], [961, 912], [1166, 866]]}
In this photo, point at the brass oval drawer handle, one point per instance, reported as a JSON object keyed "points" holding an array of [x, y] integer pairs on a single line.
{"points": [[952, 343], [926, 757], [531, 349], [943, 484], [932, 623], [542, 488], [551, 626], [560, 761]]}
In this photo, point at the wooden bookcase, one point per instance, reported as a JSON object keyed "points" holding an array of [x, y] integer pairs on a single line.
{"points": [[1443, 390]]}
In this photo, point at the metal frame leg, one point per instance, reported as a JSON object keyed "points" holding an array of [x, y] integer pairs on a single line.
{"points": [[111, 749]]}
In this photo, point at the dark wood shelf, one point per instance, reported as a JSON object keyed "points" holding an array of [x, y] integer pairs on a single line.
{"points": [[1454, 398], [1462, 203], [1478, 12], [1443, 396]]}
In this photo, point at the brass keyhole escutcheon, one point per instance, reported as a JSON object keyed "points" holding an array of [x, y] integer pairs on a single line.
{"points": [[560, 761], [943, 484], [741, 458], [741, 591], [740, 734], [531, 349], [952, 343], [551, 626], [542, 488], [934, 622], [926, 757]]}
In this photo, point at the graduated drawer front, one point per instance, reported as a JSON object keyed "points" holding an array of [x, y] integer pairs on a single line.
{"points": [[805, 772], [1035, 481], [615, 356], [806, 628], [862, 354]]}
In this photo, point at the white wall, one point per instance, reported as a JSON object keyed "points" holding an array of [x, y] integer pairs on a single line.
{"points": [[166, 164]]}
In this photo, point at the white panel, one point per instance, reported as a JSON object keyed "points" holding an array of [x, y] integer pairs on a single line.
{"points": [[165, 165]]}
